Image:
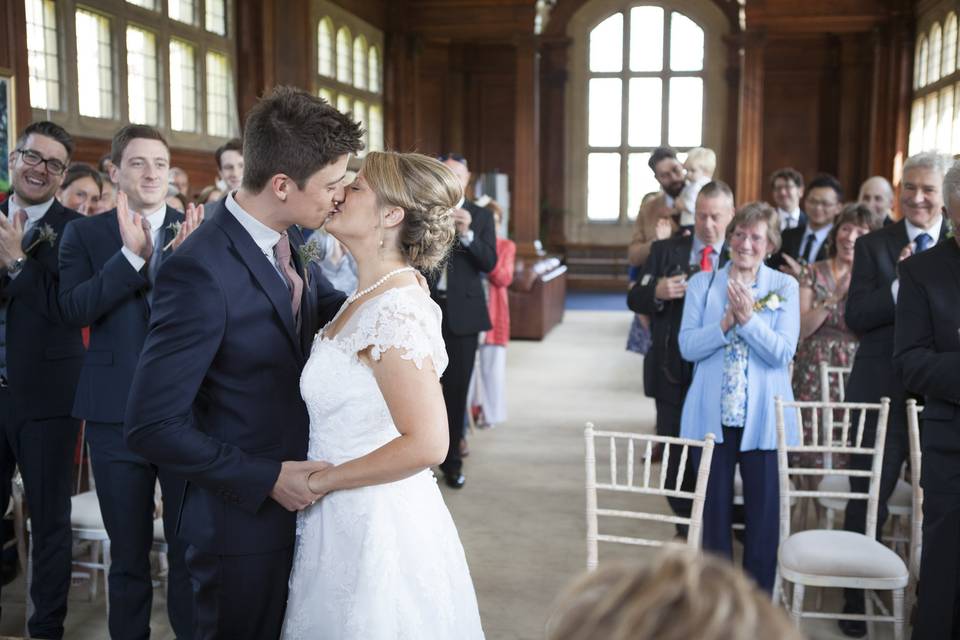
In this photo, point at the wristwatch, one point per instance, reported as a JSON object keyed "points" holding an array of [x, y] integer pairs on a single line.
{"points": [[16, 267]]}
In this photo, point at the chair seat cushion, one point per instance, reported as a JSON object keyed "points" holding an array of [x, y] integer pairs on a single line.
{"points": [[840, 553], [85, 511]]}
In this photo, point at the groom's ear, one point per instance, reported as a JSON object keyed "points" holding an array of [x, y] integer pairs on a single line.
{"points": [[281, 185], [393, 216]]}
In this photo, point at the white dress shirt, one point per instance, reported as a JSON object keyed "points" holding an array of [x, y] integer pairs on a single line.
{"points": [[155, 218], [819, 237], [788, 220], [912, 233], [263, 236]]}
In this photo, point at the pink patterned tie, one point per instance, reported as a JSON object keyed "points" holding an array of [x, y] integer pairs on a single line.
{"points": [[281, 251]]}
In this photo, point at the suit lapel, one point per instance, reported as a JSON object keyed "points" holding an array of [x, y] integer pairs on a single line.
{"points": [[897, 239], [264, 273], [170, 220]]}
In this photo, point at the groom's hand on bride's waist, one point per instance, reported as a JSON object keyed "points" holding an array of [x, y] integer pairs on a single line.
{"points": [[292, 488]]}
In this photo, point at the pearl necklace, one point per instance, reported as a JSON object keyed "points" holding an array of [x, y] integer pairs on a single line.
{"points": [[359, 294]]}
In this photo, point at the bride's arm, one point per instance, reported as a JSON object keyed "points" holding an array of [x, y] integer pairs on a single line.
{"points": [[415, 401]]}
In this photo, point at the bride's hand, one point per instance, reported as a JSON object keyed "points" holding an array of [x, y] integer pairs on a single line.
{"points": [[319, 481]]}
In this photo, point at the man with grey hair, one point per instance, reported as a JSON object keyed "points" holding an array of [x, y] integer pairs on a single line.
{"points": [[870, 311], [877, 193], [927, 354]]}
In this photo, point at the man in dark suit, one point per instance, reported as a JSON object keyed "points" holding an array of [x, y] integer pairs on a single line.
{"points": [[807, 242], [40, 361], [870, 313], [660, 294], [459, 292], [216, 395], [927, 354], [786, 186], [108, 266]]}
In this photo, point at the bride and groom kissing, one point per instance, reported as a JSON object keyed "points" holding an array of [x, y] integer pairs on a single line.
{"points": [[310, 509]]}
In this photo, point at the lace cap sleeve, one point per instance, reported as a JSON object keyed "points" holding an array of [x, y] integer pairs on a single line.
{"points": [[399, 320]]}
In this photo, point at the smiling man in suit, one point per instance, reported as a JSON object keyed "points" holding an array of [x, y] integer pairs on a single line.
{"points": [[660, 294], [108, 266], [927, 354], [870, 313], [806, 243], [40, 356]]}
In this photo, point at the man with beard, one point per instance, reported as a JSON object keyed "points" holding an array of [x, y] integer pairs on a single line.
{"points": [[654, 220]]}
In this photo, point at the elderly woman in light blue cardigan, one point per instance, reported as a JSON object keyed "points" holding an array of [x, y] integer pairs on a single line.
{"points": [[740, 329]]}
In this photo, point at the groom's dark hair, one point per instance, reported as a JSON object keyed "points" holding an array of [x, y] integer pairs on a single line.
{"points": [[293, 132]]}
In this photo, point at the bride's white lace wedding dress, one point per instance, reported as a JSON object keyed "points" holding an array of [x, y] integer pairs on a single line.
{"points": [[381, 562]]}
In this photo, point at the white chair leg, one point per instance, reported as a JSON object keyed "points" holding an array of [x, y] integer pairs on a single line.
{"points": [[94, 577], [796, 610], [898, 614], [777, 588], [106, 574], [29, 602], [829, 522], [868, 607]]}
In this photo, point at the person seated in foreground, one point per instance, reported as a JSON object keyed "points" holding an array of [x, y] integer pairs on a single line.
{"points": [[679, 595]]}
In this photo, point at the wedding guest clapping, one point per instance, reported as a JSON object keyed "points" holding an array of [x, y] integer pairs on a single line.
{"points": [[824, 336], [740, 328]]}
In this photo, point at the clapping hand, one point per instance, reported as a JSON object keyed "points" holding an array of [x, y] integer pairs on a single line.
{"points": [[741, 301], [906, 252], [462, 220], [292, 488], [134, 229], [671, 288], [792, 267], [664, 229], [11, 239], [193, 218]]}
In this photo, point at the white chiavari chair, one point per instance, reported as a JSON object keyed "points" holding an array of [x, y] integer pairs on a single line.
{"points": [[630, 470], [832, 558]]}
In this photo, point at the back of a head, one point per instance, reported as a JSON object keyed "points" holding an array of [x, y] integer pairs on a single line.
{"points": [[293, 132], [680, 595], [427, 191]]}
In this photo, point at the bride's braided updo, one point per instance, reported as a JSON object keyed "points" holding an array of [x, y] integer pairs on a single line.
{"points": [[427, 191]]}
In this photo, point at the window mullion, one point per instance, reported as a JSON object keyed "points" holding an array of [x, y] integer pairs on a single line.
{"points": [[665, 81], [624, 121]]}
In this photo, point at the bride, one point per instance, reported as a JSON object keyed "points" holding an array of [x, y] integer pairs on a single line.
{"points": [[378, 555]]}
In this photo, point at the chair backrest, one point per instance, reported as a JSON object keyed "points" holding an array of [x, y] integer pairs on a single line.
{"points": [[829, 436], [629, 457], [833, 382], [916, 524]]}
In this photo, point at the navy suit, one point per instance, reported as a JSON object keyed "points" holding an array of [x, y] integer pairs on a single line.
{"points": [[927, 354], [870, 313], [792, 245], [102, 290], [37, 432], [216, 400], [465, 315]]}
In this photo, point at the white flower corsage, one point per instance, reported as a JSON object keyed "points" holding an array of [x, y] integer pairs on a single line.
{"points": [[771, 301]]}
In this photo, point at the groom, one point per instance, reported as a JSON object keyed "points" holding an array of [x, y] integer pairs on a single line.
{"points": [[216, 396]]}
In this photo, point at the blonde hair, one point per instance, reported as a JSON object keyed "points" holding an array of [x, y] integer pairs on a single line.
{"points": [[702, 158], [678, 596], [427, 191]]}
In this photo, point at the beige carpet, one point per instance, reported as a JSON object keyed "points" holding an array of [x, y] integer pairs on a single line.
{"points": [[521, 514]]}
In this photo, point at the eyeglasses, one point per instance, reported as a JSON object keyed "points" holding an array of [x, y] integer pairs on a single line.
{"points": [[33, 159], [456, 157], [813, 202]]}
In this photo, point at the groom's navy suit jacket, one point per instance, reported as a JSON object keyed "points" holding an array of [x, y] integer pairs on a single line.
{"points": [[216, 395]]}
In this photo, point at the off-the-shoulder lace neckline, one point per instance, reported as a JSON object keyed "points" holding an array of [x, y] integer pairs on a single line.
{"points": [[322, 335]]}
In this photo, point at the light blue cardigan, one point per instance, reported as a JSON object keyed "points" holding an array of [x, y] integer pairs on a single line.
{"points": [[772, 338]]}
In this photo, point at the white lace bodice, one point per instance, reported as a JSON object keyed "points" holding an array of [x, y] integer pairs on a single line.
{"points": [[355, 420]]}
